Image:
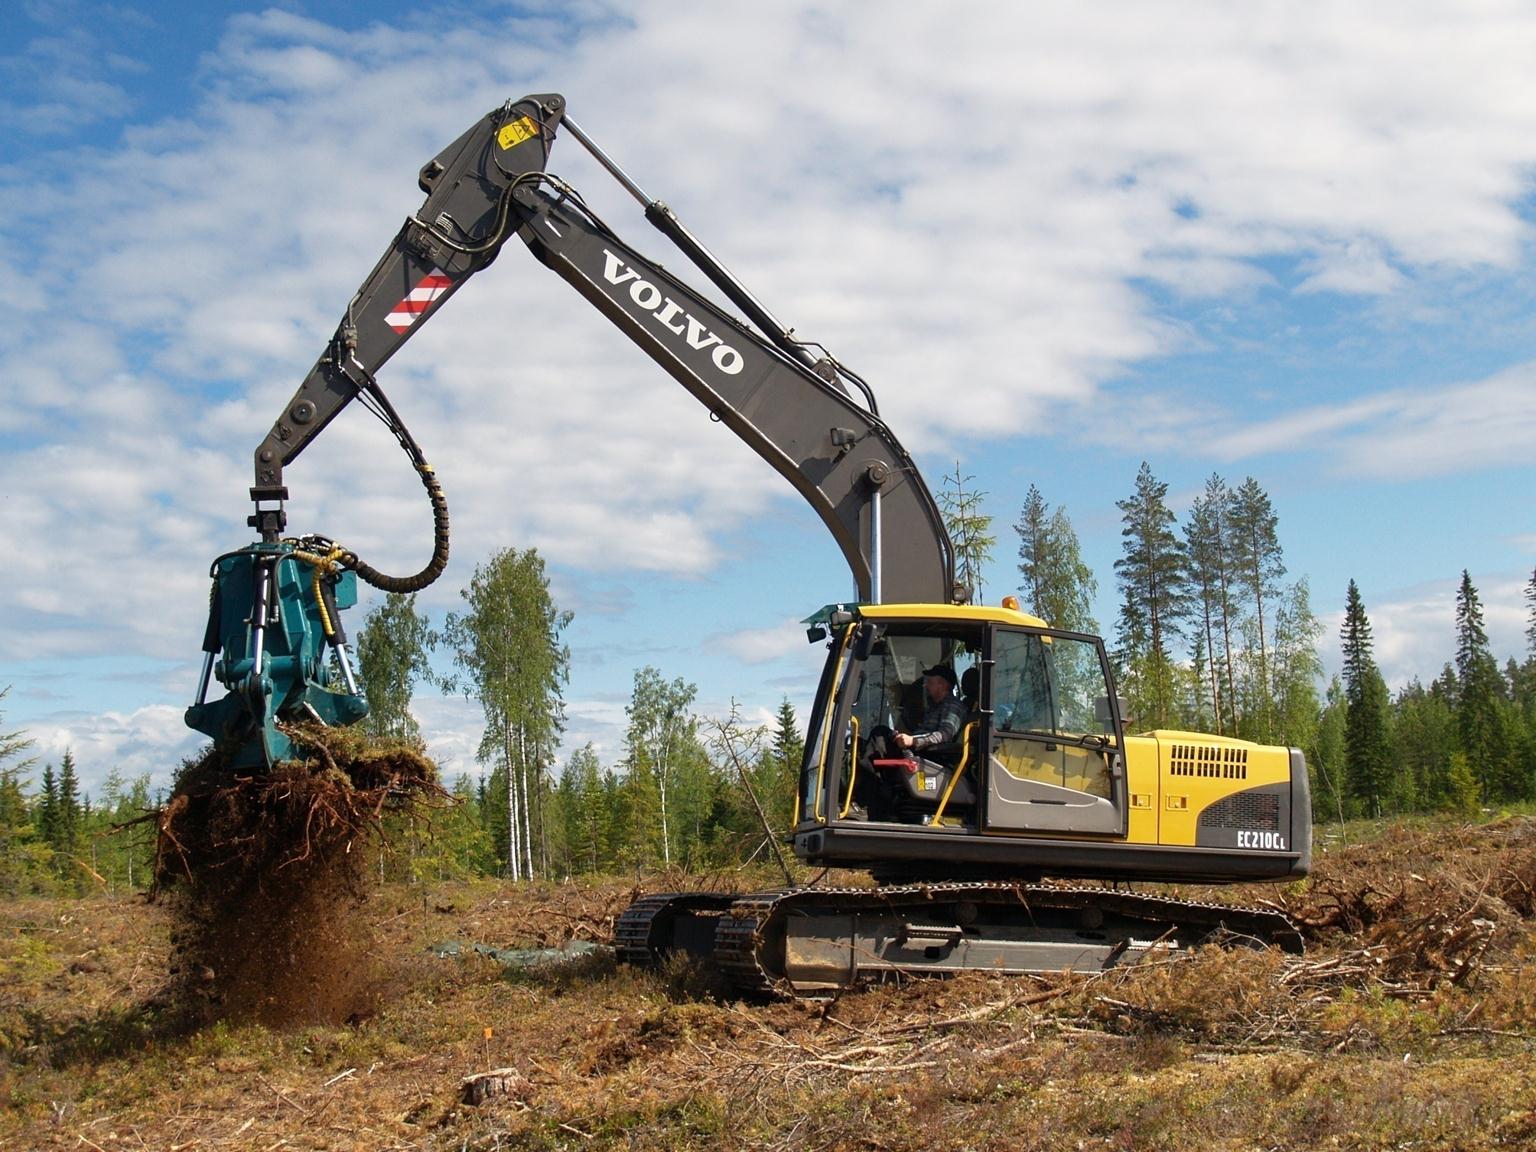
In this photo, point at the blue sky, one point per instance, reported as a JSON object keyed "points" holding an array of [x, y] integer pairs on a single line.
{"points": [[1292, 241]]}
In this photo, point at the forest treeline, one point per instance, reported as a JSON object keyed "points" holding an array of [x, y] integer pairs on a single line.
{"points": [[1209, 636]]}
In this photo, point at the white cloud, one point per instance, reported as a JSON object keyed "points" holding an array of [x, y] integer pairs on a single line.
{"points": [[150, 741], [1456, 427], [974, 229], [1413, 630]]}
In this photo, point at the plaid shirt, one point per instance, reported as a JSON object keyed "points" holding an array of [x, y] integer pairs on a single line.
{"points": [[941, 723]]}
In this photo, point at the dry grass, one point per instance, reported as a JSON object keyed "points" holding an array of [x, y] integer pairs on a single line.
{"points": [[1409, 1023]]}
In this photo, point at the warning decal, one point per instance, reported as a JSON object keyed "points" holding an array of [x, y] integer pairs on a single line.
{"points": [[513, 134], [418, 300]]}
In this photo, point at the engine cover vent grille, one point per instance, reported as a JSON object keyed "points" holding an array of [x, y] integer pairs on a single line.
{"points": [[1214, 761], [1253, 810]]}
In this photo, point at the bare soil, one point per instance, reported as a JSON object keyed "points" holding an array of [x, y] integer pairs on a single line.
{"points": [[1409, 1023], [265, 875]]}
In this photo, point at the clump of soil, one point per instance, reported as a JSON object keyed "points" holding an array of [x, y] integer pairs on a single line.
{"points": [[267, 873]]}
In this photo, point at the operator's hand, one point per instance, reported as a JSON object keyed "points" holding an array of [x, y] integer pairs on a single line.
{"points": [[903, 740]]}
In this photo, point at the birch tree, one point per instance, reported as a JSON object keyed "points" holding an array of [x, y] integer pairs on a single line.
{"points": [[509, 654], [662, 742], [392, 649]]}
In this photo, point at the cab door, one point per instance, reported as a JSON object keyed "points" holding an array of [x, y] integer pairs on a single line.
{"points": [[1055, 760]]}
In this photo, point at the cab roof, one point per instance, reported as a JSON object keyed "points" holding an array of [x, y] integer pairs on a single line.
{"points": [[958, 613]]}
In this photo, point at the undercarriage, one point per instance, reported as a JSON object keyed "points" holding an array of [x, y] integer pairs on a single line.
{"points": [[815, 942]]}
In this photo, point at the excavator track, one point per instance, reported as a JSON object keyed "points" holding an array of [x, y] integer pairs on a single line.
{"points": [[816, 942]]}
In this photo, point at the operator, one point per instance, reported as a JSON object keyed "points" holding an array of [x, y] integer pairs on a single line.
{"points": [[940, 726], [942, 719]]}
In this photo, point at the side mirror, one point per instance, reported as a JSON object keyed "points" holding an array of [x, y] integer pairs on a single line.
{"points": [[1105, 717]]}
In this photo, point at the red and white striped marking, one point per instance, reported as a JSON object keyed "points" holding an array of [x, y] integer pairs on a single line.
{"points": [[418, 300]]}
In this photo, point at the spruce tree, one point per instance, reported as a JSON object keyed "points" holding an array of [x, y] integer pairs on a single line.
{"points": [[1424, 740], [1484, 730], [1056, 584], [71, 814], [786, 754], [22, 850], [1155, 597], [585, 812], [970, 530], [1259, 565], [1366, 740], [47, 809]]}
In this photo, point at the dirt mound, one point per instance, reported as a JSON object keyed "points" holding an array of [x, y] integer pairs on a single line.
{"points": [[267, 872]]}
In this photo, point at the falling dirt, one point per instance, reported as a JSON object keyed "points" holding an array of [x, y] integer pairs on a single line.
{"points": [[267, 874]]}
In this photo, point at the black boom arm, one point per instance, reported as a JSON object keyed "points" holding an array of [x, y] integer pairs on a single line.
{"points": [[788, 405]]}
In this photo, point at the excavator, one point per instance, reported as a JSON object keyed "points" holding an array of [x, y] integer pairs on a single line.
{"points": [[1007, 849]]}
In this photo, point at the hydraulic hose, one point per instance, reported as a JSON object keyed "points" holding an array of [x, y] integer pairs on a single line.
{"points": [[439, 560]]}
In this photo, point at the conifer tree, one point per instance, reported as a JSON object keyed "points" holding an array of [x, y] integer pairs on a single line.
{"points": [[22, 852], [1259, 566], [70, 811], [1055, 583], [970, 530], [585, 811], [785, 756], [1208, 543], [1154, 588], [1485, 735], [1423, 741], [1366, 738], [47, 810]]}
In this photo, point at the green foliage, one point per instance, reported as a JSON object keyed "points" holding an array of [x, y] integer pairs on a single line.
{"points": [[1487, 730], [1257, 566], [1367, 717], [1209, 550], [1327, 757], [970, 530], [1155, 600], [392, 653], [586, 814], [1056, 584], [670, 790], [508, 651]]}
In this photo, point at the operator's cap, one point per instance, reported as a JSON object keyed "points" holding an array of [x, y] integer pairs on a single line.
{"points": [[943, 670]]}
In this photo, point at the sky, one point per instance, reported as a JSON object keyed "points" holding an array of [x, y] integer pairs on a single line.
{"points": [[1292, 241]]}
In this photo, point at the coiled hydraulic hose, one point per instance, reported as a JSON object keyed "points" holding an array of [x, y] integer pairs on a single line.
{"points": [[403, 584]]}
